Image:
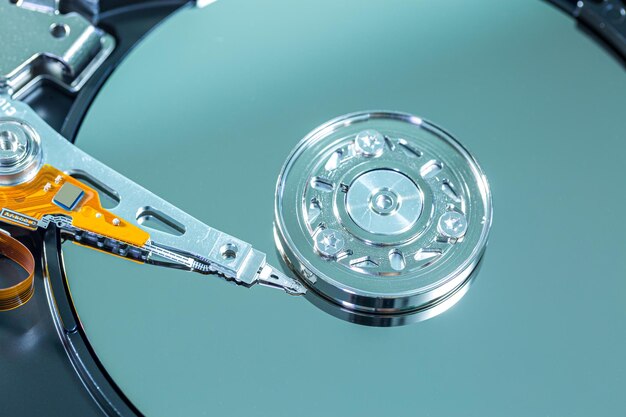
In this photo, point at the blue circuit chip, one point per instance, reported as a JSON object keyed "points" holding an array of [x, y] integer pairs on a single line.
{"points": [[68, 196]]}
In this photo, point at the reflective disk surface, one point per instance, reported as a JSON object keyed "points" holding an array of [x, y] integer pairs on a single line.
{"points": [[204, 113]]}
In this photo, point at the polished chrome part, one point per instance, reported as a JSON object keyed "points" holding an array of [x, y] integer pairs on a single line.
{"points": [[329, 242], [393, 319], [384, 202], [43, 6], [38, 43], [272, 277], [20, 152], [200, 248], [12, 145], [203, 3], [392, 213], [369, 143], [452, 224]]}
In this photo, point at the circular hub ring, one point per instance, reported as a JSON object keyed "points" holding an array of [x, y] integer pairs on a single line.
{"points": [[377, 165]]}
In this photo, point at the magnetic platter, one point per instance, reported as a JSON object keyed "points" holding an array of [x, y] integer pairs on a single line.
{"points": [[206, 110]]}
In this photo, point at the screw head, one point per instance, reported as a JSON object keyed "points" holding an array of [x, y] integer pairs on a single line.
{"points": [[452, 224], [329, 242], [370, 142], [20, 152], [13, 143]]}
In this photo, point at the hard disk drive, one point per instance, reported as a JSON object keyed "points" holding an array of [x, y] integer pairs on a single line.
{"points": [[427, 193]]}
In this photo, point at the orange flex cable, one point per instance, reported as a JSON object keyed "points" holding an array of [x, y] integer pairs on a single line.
{"points": [[20, 293], [25, 204]]}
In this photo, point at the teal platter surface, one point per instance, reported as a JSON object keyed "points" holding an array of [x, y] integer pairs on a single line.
{"points": [[208, 107]]}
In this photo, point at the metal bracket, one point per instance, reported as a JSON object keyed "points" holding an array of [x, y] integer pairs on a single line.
{"points": [[39, 44]]}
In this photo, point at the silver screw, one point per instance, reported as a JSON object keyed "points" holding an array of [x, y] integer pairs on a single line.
{"points": [[20, 153], [370, 142], [8, 141], [13, 143], [329, 242], [116, 222], [452, 224]]}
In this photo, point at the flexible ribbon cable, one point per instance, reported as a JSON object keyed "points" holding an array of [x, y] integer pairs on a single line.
{"points": [[18, 294]]}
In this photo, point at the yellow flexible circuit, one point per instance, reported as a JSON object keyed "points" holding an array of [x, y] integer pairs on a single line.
{"points": [[25, 204]]}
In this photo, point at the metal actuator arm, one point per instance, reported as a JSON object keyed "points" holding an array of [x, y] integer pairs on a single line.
{"points": [[45, 179]]}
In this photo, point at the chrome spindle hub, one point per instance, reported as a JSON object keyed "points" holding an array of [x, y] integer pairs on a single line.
{"points": [[393, 216]]}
